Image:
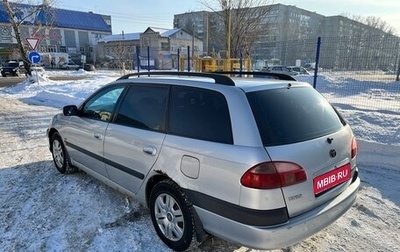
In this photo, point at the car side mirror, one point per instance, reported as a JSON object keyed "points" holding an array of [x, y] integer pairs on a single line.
{"points": [[70, 110]]}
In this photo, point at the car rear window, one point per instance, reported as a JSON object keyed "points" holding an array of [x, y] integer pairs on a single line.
{"points": [[291, 115], [16, 64]]}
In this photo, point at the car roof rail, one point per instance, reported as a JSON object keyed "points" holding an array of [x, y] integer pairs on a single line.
{"points": [[218, 78], [277, 76]]}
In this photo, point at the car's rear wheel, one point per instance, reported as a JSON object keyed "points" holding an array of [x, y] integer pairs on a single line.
{"points": [[60, 155], [172, 216]]}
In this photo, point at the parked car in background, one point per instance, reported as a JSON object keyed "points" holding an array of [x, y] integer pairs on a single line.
{"points": [[13, 68], [279, 69], [89, 67], [212, 154], [298, 70], [310, 66], [70, 65]]}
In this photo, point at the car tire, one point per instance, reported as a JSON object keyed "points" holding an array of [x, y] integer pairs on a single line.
{"points": [[60, 155], [172, 215]]}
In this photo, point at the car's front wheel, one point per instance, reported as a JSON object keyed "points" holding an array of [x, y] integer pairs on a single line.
{"points": [[60, 155], [172, 216]]}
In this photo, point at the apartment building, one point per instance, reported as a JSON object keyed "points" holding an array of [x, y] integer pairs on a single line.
{"points": [[289, 35]]}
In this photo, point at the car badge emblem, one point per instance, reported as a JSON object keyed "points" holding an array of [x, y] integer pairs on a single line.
{"points": [[332, 153]]}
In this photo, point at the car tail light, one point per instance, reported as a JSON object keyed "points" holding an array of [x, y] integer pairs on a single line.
{"points": [[272, 175], [354, 148]]}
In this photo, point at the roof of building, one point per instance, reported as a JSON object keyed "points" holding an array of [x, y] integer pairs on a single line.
{"points": [[136, 36], [163, 31], [121, 37], [55, 17], [81, 20]]}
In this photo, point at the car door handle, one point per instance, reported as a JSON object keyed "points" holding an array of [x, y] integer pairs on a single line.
{"points": [[150, 150], [98, 136]]}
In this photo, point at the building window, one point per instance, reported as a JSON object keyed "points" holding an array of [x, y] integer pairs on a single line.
{"points": [[82, 49], [164, 46], [51, 49], [63, 49]]}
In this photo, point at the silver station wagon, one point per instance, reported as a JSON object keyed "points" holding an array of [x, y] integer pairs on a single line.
{"points": [[262, 162]]}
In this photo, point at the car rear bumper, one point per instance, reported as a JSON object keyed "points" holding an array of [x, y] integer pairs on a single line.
{"points": [[283, 235]]}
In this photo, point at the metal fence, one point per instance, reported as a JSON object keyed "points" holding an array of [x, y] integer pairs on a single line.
{"points": [[369, 59], [360, 67], [378, 54], [357, 74], [360, 76]]}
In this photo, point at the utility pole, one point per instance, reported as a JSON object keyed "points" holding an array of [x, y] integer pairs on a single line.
{"points": [[398, 64], [193, 40], [228, 33], [207, 35]]}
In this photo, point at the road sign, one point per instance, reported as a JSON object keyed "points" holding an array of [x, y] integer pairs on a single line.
{"points": [[34, 57], [32, 42]]}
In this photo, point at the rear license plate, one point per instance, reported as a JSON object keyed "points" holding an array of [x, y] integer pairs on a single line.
{"points": [[332, 179]]}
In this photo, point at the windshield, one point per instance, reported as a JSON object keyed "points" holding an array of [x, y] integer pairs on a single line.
{"points": [[292, 115], [12, 64]]}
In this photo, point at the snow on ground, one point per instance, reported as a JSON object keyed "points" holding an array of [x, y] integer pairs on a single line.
{"points": [[42, 210]]}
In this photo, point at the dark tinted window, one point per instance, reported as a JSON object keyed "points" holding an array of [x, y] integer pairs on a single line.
{"points": [[12, 64], [292, 115], [200, 114], [101, 106], [144, 107]]}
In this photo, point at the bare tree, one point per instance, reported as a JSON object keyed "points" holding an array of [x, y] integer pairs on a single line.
{"points": [[373, 21], [20, 14], [378, 23], [243, 21]]}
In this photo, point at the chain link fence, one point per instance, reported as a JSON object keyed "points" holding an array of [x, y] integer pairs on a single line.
{"points": [[357, 74], [362, 67], [360, 76], [351, 60], [370, 61]]}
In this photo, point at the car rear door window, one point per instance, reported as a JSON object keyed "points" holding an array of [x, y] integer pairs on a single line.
{"points": [[144, 107], [201, 114]]}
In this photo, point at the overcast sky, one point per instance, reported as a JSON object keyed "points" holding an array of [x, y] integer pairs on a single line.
{"points": [[136, 15]]}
